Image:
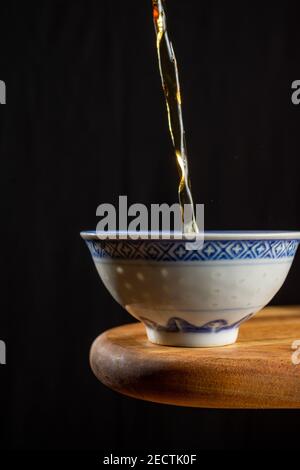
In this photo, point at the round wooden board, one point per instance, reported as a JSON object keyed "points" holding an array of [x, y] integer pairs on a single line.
{"points": [[256, 372]]}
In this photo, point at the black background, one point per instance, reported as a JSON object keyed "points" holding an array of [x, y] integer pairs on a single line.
{"points": [[85, 122]]}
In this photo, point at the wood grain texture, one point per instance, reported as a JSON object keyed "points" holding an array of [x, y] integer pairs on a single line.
{"points": [[256, 372]]}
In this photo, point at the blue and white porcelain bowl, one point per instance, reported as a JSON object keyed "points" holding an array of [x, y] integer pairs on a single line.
{"points": [[194, 298]]}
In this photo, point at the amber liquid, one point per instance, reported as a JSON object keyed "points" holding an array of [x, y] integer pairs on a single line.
{"points": [[171, 86]]}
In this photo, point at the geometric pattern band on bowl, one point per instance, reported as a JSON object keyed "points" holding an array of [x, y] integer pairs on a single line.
{"points": [[176, 251]]}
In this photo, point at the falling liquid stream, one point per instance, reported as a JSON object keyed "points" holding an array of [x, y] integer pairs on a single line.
{"points": [[171, 86]]}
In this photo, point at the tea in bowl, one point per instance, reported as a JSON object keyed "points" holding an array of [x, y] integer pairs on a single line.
{"points": [[194, 298]]}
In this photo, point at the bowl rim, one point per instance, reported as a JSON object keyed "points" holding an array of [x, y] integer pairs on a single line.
{"points": [[115, 235]]}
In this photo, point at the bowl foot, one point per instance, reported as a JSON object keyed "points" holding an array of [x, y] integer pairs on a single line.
{"points": [[193, 340]]}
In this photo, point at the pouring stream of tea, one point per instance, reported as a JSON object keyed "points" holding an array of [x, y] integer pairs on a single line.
{"points": [[171, 86]]}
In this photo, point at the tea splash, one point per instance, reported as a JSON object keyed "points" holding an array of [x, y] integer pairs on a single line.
{"points": [[171, 87]]}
